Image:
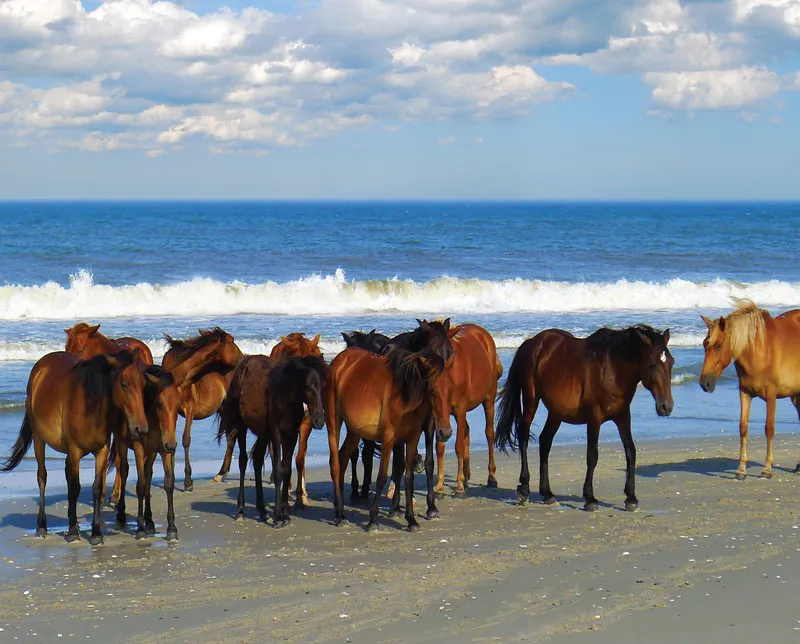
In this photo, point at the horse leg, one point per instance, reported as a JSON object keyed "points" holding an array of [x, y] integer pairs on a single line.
{"points": [[149, 524], [769, 430], [462, 440], [119, 486], [367, 459], [398, 467], [346, 451], [467, 443], [624, 427], [796, 403], [440, 448], [241, 439], [354, 492], [288, 444], [41, 479], [72, 472], [259, 452], [488, 411], [592, 438], [551, 426], [123, 468], [168, 461], [188, 484], [529, 406], [383, 470], [141, 489], [98, 493], [300, 494], [745, 400], [334, 426], [411, 453], [226, 461], [432, 512]]}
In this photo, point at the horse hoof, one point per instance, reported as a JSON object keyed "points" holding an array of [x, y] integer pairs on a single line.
{"points": [[522, 496], [797, 468], [341, 522], [282, 523], [96, 540], [491, 483], [460, 494], [188, 486], [631, 506], [172, 535], [395, 513], [141, 534], [239, 517], [413, 527], [112, 502], [373, 527], [120, 525], [766, 474], [591, 506], [41, 532], [150, 532], [219, 478], [432, 514], [549, 499], [72, 537], [740, 476]]}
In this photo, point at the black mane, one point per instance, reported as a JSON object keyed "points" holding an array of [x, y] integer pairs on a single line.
{"points": [[97, 376], [412, 372], [372, 341], [183, 349], [624, 345]]}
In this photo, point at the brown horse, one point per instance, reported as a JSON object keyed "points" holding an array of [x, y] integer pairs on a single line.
{"points": [[296, 345], [161, 404], [470, 380], [86, 341], [74, 407], [388, 399], [269, 398], [202, 367], [582, 380], [766, 354]]}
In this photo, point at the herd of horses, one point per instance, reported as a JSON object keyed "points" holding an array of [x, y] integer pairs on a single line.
{"points": [[104, 396]]}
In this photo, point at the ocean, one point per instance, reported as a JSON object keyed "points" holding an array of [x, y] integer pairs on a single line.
{"points": [[263, 269]]}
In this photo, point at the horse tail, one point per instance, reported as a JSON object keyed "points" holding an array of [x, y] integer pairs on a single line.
{"points": [[509, 413], [229, 418], [112, 454], [21, 447], [498, 366]]}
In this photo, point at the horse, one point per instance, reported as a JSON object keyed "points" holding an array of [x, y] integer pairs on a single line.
{"points": [[74, 406], [766, 354], [86, 342], [470, 380], [386, 398], [297, 345], [582, 380], [269, 398], [161, 403], [202, 367]]}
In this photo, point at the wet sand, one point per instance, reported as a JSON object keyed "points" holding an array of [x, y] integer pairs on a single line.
{"points": [[704, 557]]}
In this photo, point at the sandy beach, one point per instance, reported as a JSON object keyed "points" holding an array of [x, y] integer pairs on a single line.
{"points": [[704, 557]]}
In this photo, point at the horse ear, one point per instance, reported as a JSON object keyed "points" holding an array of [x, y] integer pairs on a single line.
{"points": [[446, 324], [708, 322], [112, 362], [371, 333], [159, 377], [666, 337], [422, 323], [94, 329], [722, 324], [67, 331], [137, 355], [315, 341], [347, 338]]}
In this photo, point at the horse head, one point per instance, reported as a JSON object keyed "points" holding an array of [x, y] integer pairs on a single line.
{"points": [[162, 402], [78, 338], [656, 368], [718, 353]]}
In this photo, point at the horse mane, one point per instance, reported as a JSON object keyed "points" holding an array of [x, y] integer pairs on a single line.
{"points": [[412, 372], [151, 390], [184, 349], [621, 344], [96, 375], [287, 370], [743, 328]]}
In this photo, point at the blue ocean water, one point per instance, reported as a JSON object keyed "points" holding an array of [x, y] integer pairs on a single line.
{"points": [[261, 270]]}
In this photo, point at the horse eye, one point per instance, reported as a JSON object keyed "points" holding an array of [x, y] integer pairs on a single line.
{"points": [[124, 386], [717, 346]]}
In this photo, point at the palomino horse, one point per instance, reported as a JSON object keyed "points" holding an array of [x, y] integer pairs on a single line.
{"points": [[86, 341], [74, 406], [295, 345], [161, 404], [388, 399], [766, 354], [269, 398], [582, 380], [470, 380], [202, 368]]}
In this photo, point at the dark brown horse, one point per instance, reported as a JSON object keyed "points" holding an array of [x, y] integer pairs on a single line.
{"points": [[86, 341], [388, 399], [470, 380], [269, 398], [582, 380], [202, 367], [766, 354], [161, 404], [74, 407], [297, 345]]}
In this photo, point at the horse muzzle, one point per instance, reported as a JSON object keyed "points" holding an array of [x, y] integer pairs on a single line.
{"points": [[170, 446], [664, 408], [708, 383], [137, 430], [443, 434], [317, 420]]}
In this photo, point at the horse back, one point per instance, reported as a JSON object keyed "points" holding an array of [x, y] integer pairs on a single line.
{"points": [[131, 344], [249, 388], [475, 368]]}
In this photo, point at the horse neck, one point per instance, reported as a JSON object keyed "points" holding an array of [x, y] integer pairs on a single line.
{"points": [[194, 363], [626, 376]]}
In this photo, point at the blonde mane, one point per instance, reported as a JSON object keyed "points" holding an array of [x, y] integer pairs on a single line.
{"points": [[744, 327]]}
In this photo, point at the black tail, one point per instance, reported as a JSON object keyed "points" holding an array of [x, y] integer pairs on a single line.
{"points": [[229, 419], [509, 412], [21, 447]]}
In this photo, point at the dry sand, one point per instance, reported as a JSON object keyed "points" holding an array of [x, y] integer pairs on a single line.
{"points": [[705, 558]]}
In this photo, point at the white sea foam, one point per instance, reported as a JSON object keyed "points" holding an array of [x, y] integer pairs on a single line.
{"points": [[335, 295]]}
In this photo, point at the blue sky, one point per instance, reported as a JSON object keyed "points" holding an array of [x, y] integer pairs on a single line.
{"points": [[408, 99]]}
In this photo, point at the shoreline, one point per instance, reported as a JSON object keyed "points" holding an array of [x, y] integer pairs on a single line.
{"points": [[487, 570]]}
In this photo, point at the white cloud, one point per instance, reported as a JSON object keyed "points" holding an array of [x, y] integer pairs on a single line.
{"points": [[446, 141], [713, 90]]}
